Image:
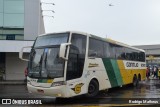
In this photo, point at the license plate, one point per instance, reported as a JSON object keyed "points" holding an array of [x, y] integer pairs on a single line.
{"points": [[40, 91]]}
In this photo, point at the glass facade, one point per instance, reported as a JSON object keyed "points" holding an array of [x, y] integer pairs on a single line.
{"points": [[11, 19]]}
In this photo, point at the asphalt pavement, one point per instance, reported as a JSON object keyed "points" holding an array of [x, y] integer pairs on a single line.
{"points": [[148, 92]]}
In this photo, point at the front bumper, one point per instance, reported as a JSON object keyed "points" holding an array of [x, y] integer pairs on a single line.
{"points": [[58, 91]]}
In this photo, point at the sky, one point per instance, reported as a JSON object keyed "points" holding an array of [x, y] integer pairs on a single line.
{"points": [[134, 22]]}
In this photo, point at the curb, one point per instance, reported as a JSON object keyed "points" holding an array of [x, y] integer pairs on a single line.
{"points": [[12, 82]]}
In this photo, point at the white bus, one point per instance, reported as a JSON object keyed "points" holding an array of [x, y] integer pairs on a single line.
{"points": [[68, 64]]}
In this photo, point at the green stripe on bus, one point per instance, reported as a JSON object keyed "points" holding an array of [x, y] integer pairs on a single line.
{"points": [[117, 72], [110, 72], [42, 80]]}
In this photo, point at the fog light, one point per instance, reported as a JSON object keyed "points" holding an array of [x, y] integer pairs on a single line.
{"points": [[40, 91]]}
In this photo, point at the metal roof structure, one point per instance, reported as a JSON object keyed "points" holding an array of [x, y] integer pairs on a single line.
{"points": [[150, 49]]}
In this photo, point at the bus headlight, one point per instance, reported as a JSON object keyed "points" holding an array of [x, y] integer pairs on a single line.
{"points": [[54, 84]]}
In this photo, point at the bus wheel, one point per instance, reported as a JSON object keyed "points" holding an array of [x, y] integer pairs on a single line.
{"points": [[135, 81], [93, 88]]}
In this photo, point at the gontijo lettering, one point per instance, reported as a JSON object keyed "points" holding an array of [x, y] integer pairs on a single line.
{"points": [[131, 64]]}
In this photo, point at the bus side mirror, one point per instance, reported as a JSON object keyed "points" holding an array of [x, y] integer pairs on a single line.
{"points": [[62, 50], [21, 53]]}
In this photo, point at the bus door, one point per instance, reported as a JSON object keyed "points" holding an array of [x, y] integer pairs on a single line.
{"points": [[76, 59]]}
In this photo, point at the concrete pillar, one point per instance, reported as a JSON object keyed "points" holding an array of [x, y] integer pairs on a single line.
{"points": [[33, 21]]}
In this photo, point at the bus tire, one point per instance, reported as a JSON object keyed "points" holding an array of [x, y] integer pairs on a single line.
{"points": [[93, 88], [135, 81]]}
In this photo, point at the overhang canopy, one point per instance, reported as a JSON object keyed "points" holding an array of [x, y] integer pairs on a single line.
{"points": [[14, 45]]}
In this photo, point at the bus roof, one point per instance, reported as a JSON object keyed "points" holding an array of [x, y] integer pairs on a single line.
{"points": [[122, 44], [117, 43], [99, 38]]}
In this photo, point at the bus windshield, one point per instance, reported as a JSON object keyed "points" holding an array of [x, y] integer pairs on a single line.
{"points": [[44, 58], [52, 39]]}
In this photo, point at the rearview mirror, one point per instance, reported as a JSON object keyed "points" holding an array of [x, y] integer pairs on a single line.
{"points": [[62, 50], [21, 53]]}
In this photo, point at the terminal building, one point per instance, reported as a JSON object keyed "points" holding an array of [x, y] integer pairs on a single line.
{"points": [[20, 23], [152, 54]]}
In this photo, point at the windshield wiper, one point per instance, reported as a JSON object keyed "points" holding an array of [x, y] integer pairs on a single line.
{"points": [[38, 66], [33, 52], [45, 62]]}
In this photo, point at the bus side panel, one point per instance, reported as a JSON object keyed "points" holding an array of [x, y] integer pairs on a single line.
{"points": [[142, 72], [130, 75], [110, 71], [117, 72], [126, 74], [94, 68]]}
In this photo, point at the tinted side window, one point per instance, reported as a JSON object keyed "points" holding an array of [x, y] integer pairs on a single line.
{"points": [[95, 48], [134, 55], [129, 54], [119, 52], [79, 41], [106, 49], [141, 56], [76, 57], [112, 50]]}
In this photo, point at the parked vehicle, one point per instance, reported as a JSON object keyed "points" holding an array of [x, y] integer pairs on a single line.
{"points": [[68, 64]]}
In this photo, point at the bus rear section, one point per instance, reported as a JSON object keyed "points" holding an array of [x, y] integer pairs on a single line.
{"points": [[117, 64]]}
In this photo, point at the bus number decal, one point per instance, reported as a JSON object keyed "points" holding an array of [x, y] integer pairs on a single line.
{"points": [[77, 88]]}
